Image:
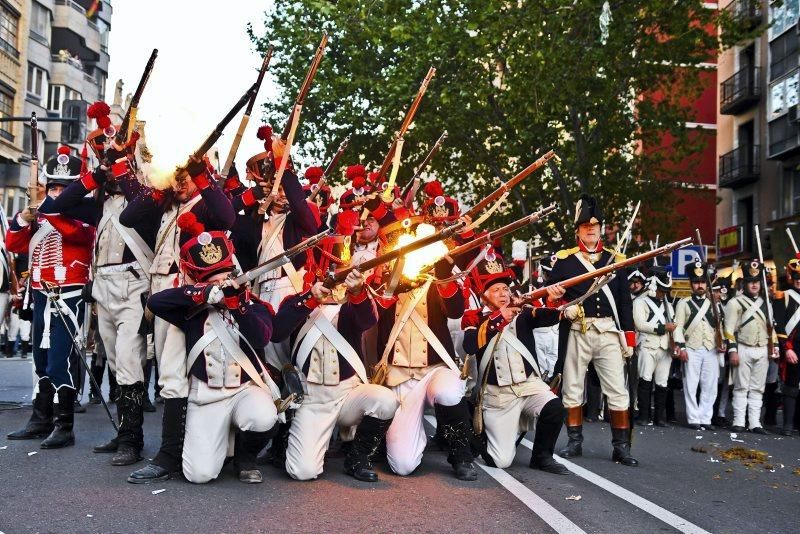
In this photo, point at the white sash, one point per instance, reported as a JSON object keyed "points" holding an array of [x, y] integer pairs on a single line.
{"points": [[701, 314], [752, 308], [264, 252], [135, 244], [321, 326], [434, 342], [516, 344], [405, 314], [795, 318], [658, 313], [605, 289]]}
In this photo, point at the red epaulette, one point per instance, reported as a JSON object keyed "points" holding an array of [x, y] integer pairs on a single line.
{"points": [[471, 319]]}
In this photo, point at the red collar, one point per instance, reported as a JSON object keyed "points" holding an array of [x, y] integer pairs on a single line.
{"points": [[598, 248]]}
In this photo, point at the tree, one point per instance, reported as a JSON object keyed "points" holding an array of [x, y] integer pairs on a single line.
{"points": [[514, 79]]}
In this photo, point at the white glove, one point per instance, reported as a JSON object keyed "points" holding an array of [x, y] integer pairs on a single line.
{"points": [[213, 295], [627, 352], [572, 312]]}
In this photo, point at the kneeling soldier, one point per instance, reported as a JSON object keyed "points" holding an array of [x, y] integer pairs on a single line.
{"points": [[327, 347], [226, 339], [512, 391]]}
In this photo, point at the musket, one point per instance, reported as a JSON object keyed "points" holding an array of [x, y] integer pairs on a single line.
{"points": [[237, 140], [791, 238], [765, 288], [412, 111], [489, 237], [414, 181], [609, 268], [282, 258], [446, 233], [217, 132], [507, 186], [332, 164], [129, 121], [719, 339], [33, 182]]}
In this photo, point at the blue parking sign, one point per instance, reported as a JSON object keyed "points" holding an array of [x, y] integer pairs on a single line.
{"points": [[683, 257]]}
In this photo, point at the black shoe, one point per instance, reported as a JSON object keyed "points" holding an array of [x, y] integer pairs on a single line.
{"points": [[737, 428], [246, 447], [548, 465], [719, 421], [465, 471], [78, 407], [276, 453], [126, 455], [251, 476], [109, 446], [622, 447], [759, 430], [693, 426], [149, 473], [787, 432], [159, 399], [574, 446], [709, 427], [369, 434], [62, 435], [147, 406], [40, 424], [94, 399]]}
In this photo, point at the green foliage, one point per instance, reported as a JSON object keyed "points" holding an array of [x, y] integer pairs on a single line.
{"points": [[514, 79]]}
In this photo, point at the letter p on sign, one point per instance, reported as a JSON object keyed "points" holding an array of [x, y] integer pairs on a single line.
{"points": [[683, 257]]}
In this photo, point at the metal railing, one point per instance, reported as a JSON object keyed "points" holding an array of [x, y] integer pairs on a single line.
{"points": [[740, 166], [740, 90]]}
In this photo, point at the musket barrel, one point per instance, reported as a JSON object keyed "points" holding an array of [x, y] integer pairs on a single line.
{"points": [[500, 232], [306, 85], [217, 133]]}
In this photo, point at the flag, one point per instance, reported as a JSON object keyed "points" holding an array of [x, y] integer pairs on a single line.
{"points": [[92, 10]]}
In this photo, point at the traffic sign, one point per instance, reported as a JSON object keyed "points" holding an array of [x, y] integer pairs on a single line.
{"points": [[683, 257]]}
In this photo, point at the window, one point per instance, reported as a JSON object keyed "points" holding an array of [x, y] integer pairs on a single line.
{"points": [[783, 55], [6, 110], [40, 21], [9, 26], [782, 16], [783, 94], [783, 135], [57, 95], [37, 81]]}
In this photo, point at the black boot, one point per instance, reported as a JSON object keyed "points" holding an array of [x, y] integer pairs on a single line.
{"points": [[276, 454], [8, 348], [660, 412], [643, 398], [97, 374], [574, 446], [544, 443], [40, 424], [456, 428], [771, 401], [789, 409], [146, 404], [358, 462], [62, 435], [246, 447], [26, 348], [620, 433], [130, 438], [113, 389], [168, 461]]}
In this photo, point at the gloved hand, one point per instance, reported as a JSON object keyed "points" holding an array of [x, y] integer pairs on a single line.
{"points": [[100, 175], [374, 203], [213, 294], [572, 312], [196, 167], [627, 352], [443, 269]]}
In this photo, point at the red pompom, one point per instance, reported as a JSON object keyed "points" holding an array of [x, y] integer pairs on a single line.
{"points": [[346, 222], [434, 189], [355, 170], [103, 122], [188, 223], [359, 182], [314, 174], [98, 109], [64, 150], [374, 178], [264, 133]]}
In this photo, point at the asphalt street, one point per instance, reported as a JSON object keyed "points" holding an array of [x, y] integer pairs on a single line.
{"points": [[674, 489]]}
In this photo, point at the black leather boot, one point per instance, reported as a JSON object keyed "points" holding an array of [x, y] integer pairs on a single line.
{"points": [[643, 399], [97, 374], [660, 412], [112, 387], [789, 409], [26, 348], [620, 433], [771, 401], [130, 438], [168, 462], [369, 434], [246, 447], [544, 442], [62, 435], [574, 446], [146, 404], [456, 428], [40, 424], [276, 454]]}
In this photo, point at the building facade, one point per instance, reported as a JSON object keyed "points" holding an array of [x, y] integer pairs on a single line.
{"points": [[53, 61]]}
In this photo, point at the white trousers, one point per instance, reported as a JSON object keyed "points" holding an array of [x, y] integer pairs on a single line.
{"points": [[211, 416], [18, 326], [702, 369], [322, 409], [170, 346], [119, 315], [406, 438], [546, 339], [274, 291], [654, 365], [605, 351], [5, 298], [502, 411], [749, 378]]}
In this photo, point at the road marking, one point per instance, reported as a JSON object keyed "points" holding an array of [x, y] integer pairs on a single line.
{"points": [[536, 504], [651, 508]]}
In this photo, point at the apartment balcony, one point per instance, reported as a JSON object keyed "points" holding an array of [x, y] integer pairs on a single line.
{"points": [[746, 11], [69, 71], [740, 166], [740, 92], [72, 31]]}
